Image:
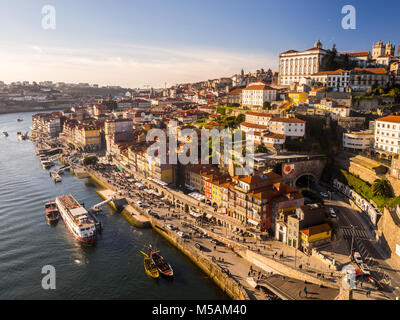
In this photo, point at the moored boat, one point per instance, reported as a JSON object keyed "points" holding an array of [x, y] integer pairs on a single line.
{"points": [[150, 268], [162, 265], [77, 219], [56, 177], [5, 133], [52, 213], [46, 164]]}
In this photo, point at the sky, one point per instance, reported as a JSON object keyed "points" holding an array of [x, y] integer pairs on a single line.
{"points": [[164, 42]]}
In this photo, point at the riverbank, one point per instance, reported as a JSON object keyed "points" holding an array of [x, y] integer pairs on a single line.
{"points": [[226, 283], [10, 110]]}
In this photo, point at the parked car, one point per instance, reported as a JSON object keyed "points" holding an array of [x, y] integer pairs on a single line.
{"points": [[170, 227], [214, 241], [181, 234], [332, 213], [149, 212], [324, 195], [155, 215], [198, 246], [139, 203]]}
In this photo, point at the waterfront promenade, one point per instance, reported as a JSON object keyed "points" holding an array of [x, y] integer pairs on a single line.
{"points": [[231, 262]]}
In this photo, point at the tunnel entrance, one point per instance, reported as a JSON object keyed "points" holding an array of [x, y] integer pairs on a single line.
{"points": [[306, 181]]}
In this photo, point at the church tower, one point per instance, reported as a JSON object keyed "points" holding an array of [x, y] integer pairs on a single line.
{"points": [[378, 49], [318, 45], [390, 49]]}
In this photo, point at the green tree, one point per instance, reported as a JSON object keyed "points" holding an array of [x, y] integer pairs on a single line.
{"points": [[266, 105], [221, 110], [90, 160], [261, 149], [382, 188], [240, 118]]}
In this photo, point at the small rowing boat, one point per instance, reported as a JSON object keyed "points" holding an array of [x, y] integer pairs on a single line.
{"points": [[162, 265], [150, 268]]}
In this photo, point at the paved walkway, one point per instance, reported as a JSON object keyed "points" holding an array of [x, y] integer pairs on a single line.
{"points": [[294, 288]]}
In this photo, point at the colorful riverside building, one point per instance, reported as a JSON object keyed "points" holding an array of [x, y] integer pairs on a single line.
{"points": [[254, 201], [150, 166], [89, 137], [83, 135]]}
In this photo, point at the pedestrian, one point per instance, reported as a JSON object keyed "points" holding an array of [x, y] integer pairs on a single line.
{"points": [[305, 290], [299, 293]]}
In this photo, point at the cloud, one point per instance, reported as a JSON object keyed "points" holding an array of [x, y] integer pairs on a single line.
{"points": [[127, 65]]}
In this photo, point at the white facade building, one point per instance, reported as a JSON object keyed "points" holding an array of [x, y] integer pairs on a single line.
{"points": [[257, 93], [338, 79], [361, 140], [387, 135], [259, 117], [289, 127], [294, 65]]}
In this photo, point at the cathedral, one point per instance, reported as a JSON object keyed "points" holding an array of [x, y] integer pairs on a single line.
{"points": [[380, 49]]}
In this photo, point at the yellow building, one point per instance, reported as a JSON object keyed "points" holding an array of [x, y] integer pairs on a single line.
{"points": [[315, 236], [297, 97], [88, 137]]}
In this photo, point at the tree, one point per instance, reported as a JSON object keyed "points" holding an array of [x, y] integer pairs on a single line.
{"points": [[266, 105], [329, 62], [240, 118], [221, 110], [261, 149], [90, 160], [382, 188]]}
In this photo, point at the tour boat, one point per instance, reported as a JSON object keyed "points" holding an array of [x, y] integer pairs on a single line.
{"points": [[77, 219], [163, 267], [52, 213]]}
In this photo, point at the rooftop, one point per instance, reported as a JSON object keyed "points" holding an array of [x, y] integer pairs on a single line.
{"points": [[394, 119]]}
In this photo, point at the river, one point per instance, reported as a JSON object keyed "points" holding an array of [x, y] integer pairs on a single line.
{"points": [[113, 269]]}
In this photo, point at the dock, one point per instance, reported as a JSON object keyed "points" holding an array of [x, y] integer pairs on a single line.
{"points": [[127, 211]]}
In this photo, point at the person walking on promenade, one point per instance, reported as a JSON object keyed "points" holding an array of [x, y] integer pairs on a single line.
{"points": [[305, 291], [299, 293]]}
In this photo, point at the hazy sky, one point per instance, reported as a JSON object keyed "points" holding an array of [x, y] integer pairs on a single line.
{"points": [[135, 43]]}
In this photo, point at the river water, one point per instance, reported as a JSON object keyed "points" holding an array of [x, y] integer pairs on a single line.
{"points": [[113, 269]]}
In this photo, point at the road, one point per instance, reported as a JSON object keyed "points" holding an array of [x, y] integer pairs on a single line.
{"points": [[351, 222]]}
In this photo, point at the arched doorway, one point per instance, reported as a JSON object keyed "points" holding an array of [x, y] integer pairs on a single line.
{"points": [[306, 180]]}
